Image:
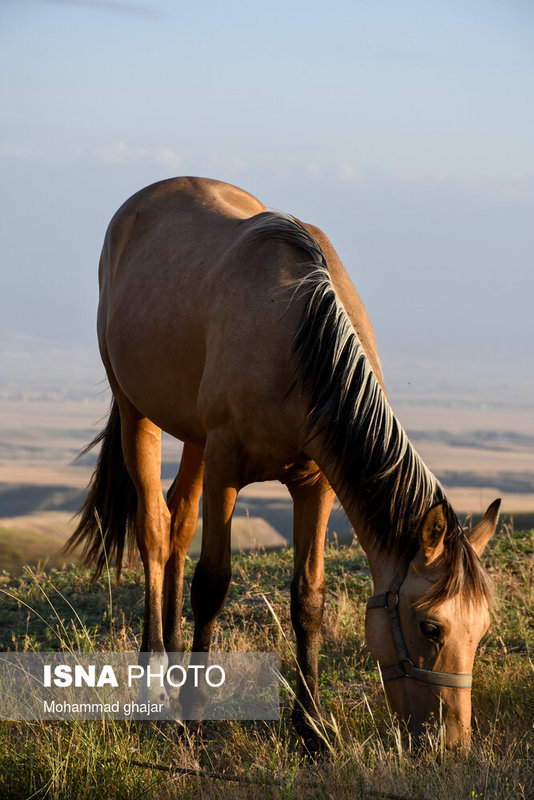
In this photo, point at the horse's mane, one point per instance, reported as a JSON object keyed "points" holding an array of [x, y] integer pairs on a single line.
{"points": [[381, 474]]}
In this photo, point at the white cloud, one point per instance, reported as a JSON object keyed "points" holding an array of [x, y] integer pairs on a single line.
{"points": [[168, 158], [313, 169], [119, 152], [348, 173], [20, 152]]}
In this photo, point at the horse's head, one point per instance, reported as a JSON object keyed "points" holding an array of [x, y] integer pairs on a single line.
{"points": [[424, 624]]}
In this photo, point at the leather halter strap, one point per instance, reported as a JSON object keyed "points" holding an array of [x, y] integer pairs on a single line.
{"points": [[405, 668]]}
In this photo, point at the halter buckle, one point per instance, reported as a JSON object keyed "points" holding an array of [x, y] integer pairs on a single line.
{"points": [[408, 667]]}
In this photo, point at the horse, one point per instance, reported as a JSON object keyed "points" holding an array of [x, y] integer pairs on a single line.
{"points": [[237, 330]]}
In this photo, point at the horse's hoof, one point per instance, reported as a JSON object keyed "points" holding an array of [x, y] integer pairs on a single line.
{"points": [[313, 739], [314, 745]]}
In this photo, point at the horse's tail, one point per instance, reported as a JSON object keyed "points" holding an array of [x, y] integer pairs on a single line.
{"points": [[107, 518]]}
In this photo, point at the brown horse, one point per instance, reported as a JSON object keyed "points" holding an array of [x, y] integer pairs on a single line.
{"points": [[238, 331]]}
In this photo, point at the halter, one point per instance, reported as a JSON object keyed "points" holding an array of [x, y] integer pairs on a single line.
{"points": [[405, 668]]}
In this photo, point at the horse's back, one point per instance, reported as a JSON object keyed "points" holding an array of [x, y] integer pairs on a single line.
{"points": [[196, 317], [177, 195], [173, 214], [182, 300]]}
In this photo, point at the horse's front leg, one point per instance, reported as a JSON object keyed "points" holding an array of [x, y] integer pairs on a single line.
{"points": [[213, 572], [141, 444], [312, 506], [183, 501]]}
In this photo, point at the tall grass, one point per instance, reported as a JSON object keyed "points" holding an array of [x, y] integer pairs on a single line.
{"points": [[61, 609]]}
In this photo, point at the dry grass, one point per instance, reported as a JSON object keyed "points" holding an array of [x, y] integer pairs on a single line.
{"points": [[364, 760]]}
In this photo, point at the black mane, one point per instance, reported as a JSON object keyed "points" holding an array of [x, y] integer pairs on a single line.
{"points": [[383, 477]]}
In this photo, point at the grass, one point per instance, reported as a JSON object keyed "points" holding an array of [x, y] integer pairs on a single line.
{"points": [[59, 608]]}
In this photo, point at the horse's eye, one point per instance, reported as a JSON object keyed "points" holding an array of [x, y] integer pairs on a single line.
{"points": [[431, 630]]}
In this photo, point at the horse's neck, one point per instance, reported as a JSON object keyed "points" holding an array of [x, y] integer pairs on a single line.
{"points": [[382, 563]]}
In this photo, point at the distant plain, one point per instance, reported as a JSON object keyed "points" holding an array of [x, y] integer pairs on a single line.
{"points": [[478, 451]]}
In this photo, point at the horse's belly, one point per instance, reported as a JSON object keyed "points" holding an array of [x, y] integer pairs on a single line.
{"points": [[159, 369]]}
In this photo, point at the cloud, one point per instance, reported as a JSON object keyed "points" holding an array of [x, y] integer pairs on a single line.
{"points": [[120, 153], [168, 158], [20, 152], [349, 173], [114, 6]]}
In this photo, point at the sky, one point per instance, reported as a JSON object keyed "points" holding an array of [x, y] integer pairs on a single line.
{"points": [[403, 128]]}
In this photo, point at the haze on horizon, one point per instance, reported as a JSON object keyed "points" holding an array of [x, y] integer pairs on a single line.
{"points": [[404, 130]]}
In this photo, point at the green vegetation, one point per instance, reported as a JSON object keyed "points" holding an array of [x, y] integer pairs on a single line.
{"points": [[59, 608]]}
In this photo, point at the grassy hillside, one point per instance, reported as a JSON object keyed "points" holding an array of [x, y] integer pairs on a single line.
{"points": [[49, 610], [37, 540]]}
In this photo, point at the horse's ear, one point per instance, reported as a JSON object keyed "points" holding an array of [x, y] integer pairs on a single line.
{"points": [[432, 532], [482, 533]]}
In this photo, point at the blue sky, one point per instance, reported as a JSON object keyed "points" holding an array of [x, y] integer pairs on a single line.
{"points": [[404, 129]]}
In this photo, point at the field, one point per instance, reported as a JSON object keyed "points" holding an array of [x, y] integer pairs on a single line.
{"points": [[478, 451], [60, 608]]}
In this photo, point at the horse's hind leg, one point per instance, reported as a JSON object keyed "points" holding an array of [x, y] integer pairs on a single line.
{"points": [[183, 500], [312, 506], [141, 444]]}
